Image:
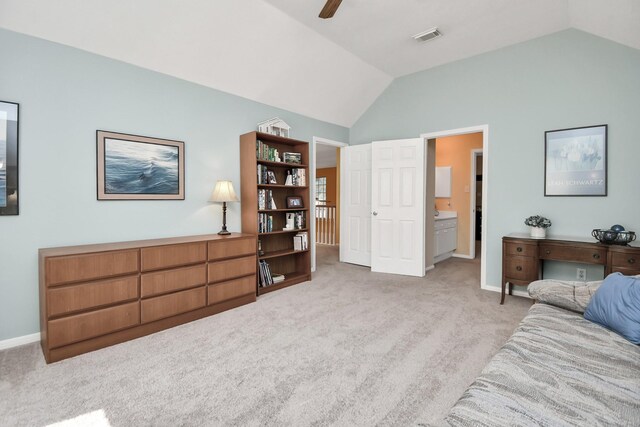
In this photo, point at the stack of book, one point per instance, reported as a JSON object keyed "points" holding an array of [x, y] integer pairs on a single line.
{"points": [[268, 278], [296, 177], [265, 152], [301, 241], [265, 223], [292, 158], [265, 200]]}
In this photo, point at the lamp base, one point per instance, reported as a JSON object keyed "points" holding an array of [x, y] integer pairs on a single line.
{"points": [[224, 232]]}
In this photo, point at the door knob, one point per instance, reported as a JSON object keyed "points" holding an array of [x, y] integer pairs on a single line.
{"points": [[374, 213]]}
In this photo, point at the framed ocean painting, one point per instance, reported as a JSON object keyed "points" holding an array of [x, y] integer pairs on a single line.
{"points": [[133, 167], [8, 158], [576, 162]]}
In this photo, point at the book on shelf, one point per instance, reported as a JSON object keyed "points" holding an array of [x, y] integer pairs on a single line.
{"points": [[295, 158], [301, 241], [265, 200], [268, 278], [296, 177], [265, 223], [265, 152]]}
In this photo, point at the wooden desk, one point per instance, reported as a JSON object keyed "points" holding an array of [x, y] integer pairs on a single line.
{"points": [[523, 257]]}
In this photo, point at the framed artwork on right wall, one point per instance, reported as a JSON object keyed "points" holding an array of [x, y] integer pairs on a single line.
{"points": [[575, 161]]}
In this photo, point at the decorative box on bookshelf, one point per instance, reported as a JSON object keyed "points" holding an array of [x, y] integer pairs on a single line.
{"points": [[275, 206]]}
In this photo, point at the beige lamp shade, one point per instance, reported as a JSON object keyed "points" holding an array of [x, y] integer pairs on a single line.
{"points": [[223, 192]]}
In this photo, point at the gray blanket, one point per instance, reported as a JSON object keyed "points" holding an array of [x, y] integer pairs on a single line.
{"points": [[557, 369]]}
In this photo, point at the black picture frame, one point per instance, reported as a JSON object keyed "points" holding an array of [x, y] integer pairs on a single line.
{"points": [[144, 168], [9, 164], [271, 177], [294, 202], [575, 162]]}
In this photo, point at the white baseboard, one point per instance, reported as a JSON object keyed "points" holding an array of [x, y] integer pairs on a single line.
{"points": [[499, 289], [431, 267], [17, 341], [462, 256]]}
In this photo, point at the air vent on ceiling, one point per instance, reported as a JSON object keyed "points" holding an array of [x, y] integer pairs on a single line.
{"points": [[428, 35]]}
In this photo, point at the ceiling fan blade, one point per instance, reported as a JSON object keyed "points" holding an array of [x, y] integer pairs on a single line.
{"points": [[329, 9]]}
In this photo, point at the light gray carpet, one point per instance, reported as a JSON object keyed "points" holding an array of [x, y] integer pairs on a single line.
{"points": [[349, 348]]}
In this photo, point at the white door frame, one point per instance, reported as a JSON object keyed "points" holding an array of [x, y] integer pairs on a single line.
{"points": [[312, 185], [472, 209], [485, 174]]}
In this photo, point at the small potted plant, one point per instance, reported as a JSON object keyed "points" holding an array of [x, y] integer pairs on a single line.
{"points": [[538, 225]]}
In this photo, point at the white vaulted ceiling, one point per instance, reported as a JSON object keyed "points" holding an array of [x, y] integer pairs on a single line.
{"points": [[280, 53]]}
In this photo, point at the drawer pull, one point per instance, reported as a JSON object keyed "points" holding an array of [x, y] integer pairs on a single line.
{"points": [[519, 249], [548, 252], [631, 260], [519, 268], [596, 256]]}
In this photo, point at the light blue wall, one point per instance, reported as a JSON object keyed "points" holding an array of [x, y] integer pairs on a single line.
{"points": [[65, 95], [563, 80]]}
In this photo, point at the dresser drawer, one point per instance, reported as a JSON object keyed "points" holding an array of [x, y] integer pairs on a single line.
{"points": [[82, 268], [172, 304], [573, 254], [521, 268], [232, 289], [232, 248], [82, 296], [628, 260], [168, 256], [83, 326], [162, 282], [520, 249], [224, 270]]}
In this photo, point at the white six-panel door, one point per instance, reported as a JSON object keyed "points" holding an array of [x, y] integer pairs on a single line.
{"points": [[355, 225], [398, 206]]}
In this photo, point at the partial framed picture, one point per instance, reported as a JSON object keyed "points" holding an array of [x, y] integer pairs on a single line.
{"points": [[294, 202], [576, 162], [133, 167], [8, 158]]}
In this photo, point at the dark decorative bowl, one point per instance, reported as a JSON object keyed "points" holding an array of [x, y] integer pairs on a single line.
{"points": [[611, 237]]}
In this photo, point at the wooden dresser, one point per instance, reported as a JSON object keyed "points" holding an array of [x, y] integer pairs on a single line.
{"points": [[523, 256], [94, 296]]}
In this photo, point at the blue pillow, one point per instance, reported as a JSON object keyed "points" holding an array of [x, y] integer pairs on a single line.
{"points": [[616, 306]]}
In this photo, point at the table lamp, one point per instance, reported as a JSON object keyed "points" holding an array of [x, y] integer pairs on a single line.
{"points": [[223, 192]]}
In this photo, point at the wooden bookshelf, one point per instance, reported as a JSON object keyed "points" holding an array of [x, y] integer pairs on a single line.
{"points": [[277, 244]]}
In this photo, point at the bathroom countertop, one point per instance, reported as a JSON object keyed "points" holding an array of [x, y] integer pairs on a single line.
{"points": [[447, 215]]}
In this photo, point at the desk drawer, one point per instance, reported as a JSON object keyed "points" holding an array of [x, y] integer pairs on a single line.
{"points": [[93, 324], [168, 256], [232, 248], [161, 282], [82, 268], [223, 270], [172, 304], [67, 299], [521, 268], [521, 249], [573, 254]]}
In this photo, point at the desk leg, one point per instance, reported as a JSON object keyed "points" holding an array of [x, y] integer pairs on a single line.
{"points": [[504, 284]]}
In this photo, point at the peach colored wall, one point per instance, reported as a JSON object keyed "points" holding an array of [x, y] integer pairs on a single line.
{"points": [[455, 151], [332, 192]]}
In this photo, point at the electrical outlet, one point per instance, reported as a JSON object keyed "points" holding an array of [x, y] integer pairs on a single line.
{"points": [[581, 274]]}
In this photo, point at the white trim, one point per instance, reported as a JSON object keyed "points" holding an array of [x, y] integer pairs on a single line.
{"points": [[472, 201], [312, 187], [485, 181], [431, 267], [18, 341], [463, 256]]}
